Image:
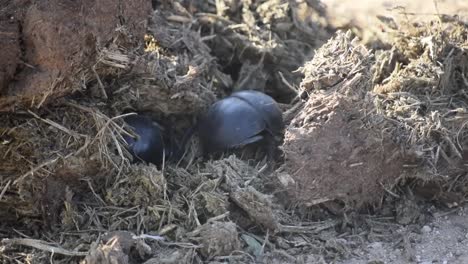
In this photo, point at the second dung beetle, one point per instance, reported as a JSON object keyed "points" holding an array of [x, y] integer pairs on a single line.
{"points": [[240, 119], [150, 144]]}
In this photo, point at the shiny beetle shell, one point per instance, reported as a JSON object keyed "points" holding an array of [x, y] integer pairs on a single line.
{"points": [[267, 106], [149, 144], [238, 120]]}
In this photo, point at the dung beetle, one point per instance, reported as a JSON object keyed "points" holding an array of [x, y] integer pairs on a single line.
{"points": [[240, 119], [150, 144]]}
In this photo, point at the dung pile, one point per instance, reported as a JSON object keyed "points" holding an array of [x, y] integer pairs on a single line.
{"points": [[371, 121], [69, 193], [419, 87], [176, 75], [266, 41], [331, 153]]}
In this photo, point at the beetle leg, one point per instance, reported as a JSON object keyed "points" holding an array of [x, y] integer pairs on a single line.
{"points": [[273, 152]]}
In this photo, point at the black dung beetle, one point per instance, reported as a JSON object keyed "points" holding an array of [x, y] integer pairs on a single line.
{"points": [[242, 118], [150, 144]]}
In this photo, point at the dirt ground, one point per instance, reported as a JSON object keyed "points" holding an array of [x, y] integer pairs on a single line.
{"points": [[444, 239], [374, 155]]}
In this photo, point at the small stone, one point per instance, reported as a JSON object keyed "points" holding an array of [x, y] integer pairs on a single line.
{"points": [[426, 229], [253, 246]]}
